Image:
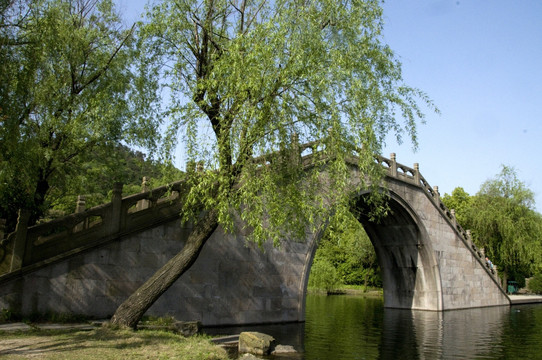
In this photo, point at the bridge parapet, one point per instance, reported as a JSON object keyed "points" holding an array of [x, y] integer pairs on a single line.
{"points": [[59, 238], [414, 177], [400, 172]]}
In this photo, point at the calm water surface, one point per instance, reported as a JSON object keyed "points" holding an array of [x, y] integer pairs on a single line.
{"points": [[352, 327]]}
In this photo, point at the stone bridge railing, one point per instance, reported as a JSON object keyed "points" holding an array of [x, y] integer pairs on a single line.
{"points": [[35, 246], [28, 248], [413, 176]]}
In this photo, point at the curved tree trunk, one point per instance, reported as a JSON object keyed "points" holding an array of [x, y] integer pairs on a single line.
{"points": [[132, 309]]}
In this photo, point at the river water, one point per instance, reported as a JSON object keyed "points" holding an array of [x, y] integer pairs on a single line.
{"points": [[355, 327]]}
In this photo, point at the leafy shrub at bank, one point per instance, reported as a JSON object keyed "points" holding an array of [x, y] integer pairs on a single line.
{"points": [[535, 284]]}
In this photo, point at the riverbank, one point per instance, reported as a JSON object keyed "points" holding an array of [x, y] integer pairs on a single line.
{"points": [[525, 299], [516, 299], [349, 290]]}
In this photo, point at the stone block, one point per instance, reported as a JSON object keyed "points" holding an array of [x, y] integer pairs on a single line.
{"points": [[273, 304], [283, 349], [247, 303], [255, 343], [290, 303], [187, 328], [130, 244]]}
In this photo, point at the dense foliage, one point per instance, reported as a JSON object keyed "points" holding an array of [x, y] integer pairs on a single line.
{"points": [[345, 256], [245, 77], [67, 98], [535, 284], [504, 222]]}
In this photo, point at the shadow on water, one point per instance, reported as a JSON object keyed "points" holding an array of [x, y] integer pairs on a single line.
{"points": [[351, 327]]}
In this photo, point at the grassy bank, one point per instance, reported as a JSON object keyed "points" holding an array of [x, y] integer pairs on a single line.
{"points": [[103, 343], [348, 290]]}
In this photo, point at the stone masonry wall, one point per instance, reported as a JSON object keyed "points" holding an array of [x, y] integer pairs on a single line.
{"points": [[230, 283], [465, 283]]}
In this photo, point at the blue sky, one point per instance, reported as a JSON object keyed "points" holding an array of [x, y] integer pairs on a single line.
{"points": [[480, 61]]}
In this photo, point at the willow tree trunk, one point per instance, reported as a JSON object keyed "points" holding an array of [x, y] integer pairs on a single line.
{"points": [[132, 309]]}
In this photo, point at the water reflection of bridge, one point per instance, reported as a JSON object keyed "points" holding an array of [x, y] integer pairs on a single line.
{"points": [[456, 334]]}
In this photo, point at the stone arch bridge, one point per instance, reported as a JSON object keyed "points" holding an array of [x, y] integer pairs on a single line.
{"points": [[89, 262]]}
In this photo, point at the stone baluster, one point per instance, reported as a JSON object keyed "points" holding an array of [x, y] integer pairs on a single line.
{"points": [[436, 195], [417, 174], [79, 208], [116, 208], [393, 165], [19, 246], [144, 203], [81, 204], [469, 239], [454, 219]]}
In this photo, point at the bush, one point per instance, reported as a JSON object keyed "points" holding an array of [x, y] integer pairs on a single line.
{"points": [[535, 284], [323, 275]]}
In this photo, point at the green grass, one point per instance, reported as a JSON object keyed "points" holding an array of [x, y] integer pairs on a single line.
{"points": [[350, 289], [103, 343], [361, 288]]}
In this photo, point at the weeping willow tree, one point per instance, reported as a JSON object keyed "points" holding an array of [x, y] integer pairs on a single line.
{"points": [[245, 77], [505, 223]]}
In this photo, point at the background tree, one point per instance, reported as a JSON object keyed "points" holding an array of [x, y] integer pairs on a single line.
{"points": [[348, 249], [503, 221], [461, 202], [323, 275], [507, 225], [245, 77], [65, 81]]}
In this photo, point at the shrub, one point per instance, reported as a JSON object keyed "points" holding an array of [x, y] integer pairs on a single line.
{"points": [[535, 284], [323, 275]]}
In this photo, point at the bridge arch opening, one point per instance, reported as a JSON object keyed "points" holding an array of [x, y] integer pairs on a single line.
{"points": [[409, 270]]}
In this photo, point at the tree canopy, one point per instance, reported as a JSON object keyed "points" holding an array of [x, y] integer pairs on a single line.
{"points": [[504, 222], [65, 87], [245, 77]]}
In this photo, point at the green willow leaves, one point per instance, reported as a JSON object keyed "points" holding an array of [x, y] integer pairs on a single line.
{"points": [[504, 222], [246, 77]]}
